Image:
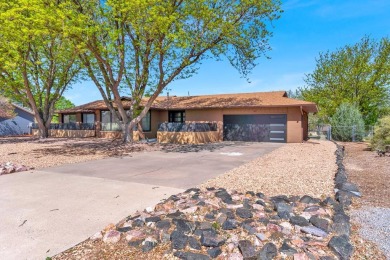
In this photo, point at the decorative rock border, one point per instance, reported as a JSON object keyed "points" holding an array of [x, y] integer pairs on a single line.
{"points": [[344, 192]]}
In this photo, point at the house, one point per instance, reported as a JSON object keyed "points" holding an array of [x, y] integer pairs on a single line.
{"points": [[259, 116], [18, 125]]}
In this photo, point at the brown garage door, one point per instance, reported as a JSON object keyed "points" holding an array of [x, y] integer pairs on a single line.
{"points": [[255, 128]]}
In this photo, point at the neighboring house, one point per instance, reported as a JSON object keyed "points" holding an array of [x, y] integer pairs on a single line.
{"points": [[260, 116], [18, 125]]}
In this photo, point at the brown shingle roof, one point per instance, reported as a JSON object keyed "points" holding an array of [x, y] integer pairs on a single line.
{"points": [[241, 100]]}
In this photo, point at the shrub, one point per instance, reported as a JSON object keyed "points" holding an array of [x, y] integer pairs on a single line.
{"points": [[381, 136], [346, 123]]}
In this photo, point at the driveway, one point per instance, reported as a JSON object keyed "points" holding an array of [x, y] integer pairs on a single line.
{"points": [[45, 212]]}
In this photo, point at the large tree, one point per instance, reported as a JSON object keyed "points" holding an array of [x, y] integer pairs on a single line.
{"points": [[37, 62], [140, 47], [358, 74]]}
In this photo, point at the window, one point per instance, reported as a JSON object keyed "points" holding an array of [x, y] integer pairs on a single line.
{"points": [[109, 122], [145, 122], [88, 118], [177, 116], [71, 118], [106, 117]]}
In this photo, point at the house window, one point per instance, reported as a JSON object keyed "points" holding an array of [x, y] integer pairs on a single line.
{"points": [[177, 116], [71, 118], [88, 118], [109, 121], [106, 117], [146, 122]]}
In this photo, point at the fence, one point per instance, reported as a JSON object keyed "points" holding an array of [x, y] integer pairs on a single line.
{"points": [[68, 126], [352, 133]]}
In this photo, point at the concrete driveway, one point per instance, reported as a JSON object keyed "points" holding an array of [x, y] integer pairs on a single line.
{"points": [[45, 212]]}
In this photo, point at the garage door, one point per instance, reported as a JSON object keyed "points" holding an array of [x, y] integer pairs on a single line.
{"points": [[255, 128]]}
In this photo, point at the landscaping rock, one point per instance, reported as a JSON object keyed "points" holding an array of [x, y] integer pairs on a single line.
{"points": [[133, 235], [306, 199], [214, 252], [314, 231], [210, 239], [347, 186], [179, 240], [268, 252], [229, 224], [320, 223], [247, 250], [194, 243], [286, 249], [163, 224], [298, 220], [224, 196], [341, 246], [112, 237], [149, 244], [244, 213], [152, 219], [283, 210], [184, 226]]}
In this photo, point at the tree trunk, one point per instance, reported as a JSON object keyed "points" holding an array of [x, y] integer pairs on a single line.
{"points": [[127, 133], [43, 131]]}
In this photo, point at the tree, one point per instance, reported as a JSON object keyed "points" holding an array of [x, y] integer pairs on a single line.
{"points": [[142, 46], [381, 137], [347, 123], [357, 74], [37, 63], [6, 108]]}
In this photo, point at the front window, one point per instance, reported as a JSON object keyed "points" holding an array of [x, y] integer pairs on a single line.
{"points": [[145, 122], [71, 118], [88, 118], [177, 116], [109, 122]]}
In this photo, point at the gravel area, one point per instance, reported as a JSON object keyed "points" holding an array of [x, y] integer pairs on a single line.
{"points": [[294, 169], [375, 226], [37, 153]]}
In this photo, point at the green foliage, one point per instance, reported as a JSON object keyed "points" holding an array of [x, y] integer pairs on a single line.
{"points": [[357, 74], [216, 225], [6, 108], [346, 123], [37, 61], [381, 136], [61, 104]]}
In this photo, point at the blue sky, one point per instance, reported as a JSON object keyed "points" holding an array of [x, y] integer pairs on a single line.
{"points": [[305, 29]]}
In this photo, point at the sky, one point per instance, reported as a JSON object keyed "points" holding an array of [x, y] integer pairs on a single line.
{"points": [[305, 29]]}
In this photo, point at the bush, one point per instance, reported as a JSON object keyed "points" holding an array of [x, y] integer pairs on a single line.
{"points": [[346, 123], [381, 136]]}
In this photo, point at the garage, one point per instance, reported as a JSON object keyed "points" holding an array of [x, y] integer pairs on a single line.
{"points": [[255, 128]]}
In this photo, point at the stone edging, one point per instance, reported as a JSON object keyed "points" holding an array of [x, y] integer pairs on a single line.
{"points": [[344, 192]]}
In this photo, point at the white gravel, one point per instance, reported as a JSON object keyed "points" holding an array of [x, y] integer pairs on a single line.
{"points": [[294, 169], [375, 226]]}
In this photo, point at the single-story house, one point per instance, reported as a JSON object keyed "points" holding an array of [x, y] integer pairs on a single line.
{"points": [[18, 125], [259, 116]]}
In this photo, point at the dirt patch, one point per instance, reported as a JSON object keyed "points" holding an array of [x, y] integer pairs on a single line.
{"points": [[372, 174], [294, 169], [37, 153]]}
